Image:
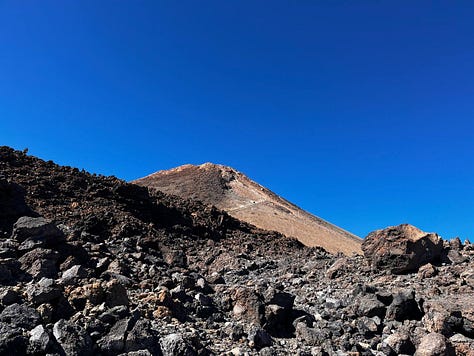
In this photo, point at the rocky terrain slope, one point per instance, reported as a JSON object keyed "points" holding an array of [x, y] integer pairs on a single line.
{"points": [[91, 265], [244, 199]]}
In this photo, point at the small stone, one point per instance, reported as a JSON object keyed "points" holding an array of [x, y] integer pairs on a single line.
{"points": [[9, 296], [404, 306], [427, 271], [142, 337], [72, 338], [162, 312], [12, 340], [40, 340], [46, 312], [73, 274], [336, 268], [259, 338], [370, 306], [400, 343], [43, 292], [203, 299], [114, 341], [115, 294], [175, 344]]}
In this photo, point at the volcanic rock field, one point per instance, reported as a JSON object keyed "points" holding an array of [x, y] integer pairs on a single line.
{"points": [[92, 265]]}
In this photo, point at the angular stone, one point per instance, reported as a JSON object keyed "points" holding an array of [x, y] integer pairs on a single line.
{"points": [[142, 337], [311, 336], [72, 338], [19, 315], [336, 268], [259, 338], [92, 293], [43, 292], [400, 343], [404, 307], [248, 305], [40, 263], [115, 294], [9, 296], [12, 340], [427, 271], [36, 232], [40, 340], [114, 341], [370, 306], [73, 274]]}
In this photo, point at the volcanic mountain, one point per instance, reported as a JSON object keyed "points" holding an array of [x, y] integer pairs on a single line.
{"points": [[246, 200]]}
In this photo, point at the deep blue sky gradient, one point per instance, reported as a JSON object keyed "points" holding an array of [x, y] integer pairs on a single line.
{"points": [[361, 112]]}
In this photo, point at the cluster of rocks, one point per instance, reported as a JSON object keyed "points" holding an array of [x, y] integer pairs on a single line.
{"points": [[91, 265]]}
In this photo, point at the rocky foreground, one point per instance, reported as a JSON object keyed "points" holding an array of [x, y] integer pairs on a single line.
{"points": [[91, 265]]}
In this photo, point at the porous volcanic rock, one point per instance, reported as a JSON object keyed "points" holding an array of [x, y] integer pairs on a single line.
{"points": [[401, 248]]}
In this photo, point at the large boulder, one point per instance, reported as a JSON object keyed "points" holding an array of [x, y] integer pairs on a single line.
{"points": [[12, 204], [36, 232], [401, 248]]}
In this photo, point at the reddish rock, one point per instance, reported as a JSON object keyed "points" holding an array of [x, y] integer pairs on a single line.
{"points": [[248, 305], [401, 248], [432, 344]]}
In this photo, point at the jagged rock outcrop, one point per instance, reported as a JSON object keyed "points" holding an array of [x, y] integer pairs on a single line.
{"points": [[401, 248]]}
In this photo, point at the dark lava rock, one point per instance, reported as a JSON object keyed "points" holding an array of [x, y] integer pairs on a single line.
{"points": [[44, 291], [248, 305], [36, 232], [139, 272], [40, 263], [312, 336], [21, 316], [142, 337], [370, 306], [114, 341], [12, 340], [41, 341], [404, 307], [115, 294], [72, 338], [401, 248], [12, 205], [73, 274], [9, 296], [259, 338]]}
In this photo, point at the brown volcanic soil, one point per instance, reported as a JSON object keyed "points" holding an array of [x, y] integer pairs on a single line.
{"points": [[244, 199]]}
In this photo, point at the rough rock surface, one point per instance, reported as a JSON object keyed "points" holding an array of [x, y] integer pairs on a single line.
{"points": [[401, 248], [134, 271]]}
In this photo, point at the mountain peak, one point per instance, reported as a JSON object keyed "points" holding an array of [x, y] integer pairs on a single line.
{"points": [[246, 200]]}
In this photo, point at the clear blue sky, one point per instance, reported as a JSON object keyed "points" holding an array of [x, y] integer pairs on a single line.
{"points": [[361, 112]]}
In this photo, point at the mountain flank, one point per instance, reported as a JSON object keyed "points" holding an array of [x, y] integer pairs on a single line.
{"points": [[246, 200]]}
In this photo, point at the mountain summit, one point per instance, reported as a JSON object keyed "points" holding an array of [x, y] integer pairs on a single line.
{"points": [[246, 200]]}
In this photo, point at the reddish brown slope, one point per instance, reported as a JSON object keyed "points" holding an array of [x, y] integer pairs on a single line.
{"points": [[248, 201]]}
